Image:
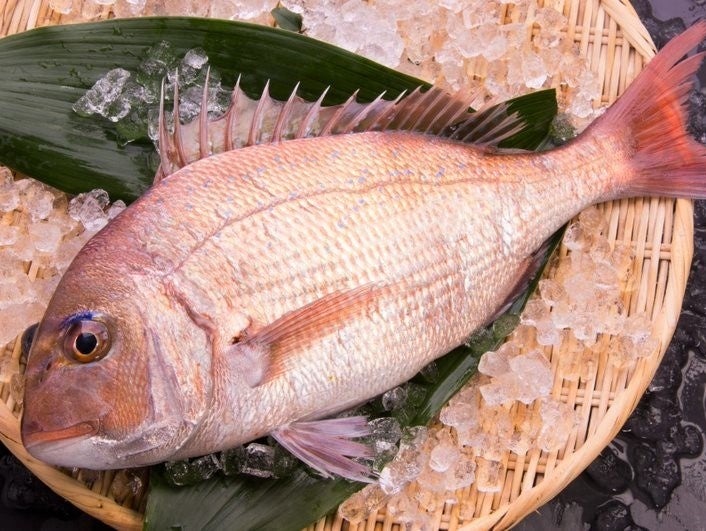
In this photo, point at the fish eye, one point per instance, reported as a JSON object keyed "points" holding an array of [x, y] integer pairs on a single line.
{"points": [[86, 340]]}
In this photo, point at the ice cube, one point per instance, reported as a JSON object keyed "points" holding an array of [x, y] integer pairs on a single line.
{"points": [[575, 237], [444, 454], [233, 460], [394, 399], [158, 60], [581, 106], [195, 58], [500, 390], [605, 277], [463, 409], [9, 234], [61, 6], [16, 317], [600, 251], [563, 314], [462, 474], [452, 5], [534, 72], [89, 209], [190, 472], [41, 206], [430, 481], [9, 194], [385, 429], [535, 311], [127, 483], [622, 351], [116, 208], [547, 333], [551, 291], [558, 422], [638, 327], [358, 506], [102, 94], [593, 220], [45, 237], [68, 249], [129, 8], [495, 363], [489, 475], [534, 373], [397, 474], [259, 460]]}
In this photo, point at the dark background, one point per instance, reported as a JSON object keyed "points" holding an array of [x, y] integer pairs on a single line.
{"points": [[652, 476]]}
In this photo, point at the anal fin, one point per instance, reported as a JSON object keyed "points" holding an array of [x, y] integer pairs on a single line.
{"points": [[327, 446]]}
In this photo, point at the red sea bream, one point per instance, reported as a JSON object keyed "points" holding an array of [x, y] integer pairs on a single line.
{"points": [[263, 289]]}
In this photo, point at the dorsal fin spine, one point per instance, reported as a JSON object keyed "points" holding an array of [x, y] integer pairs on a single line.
{"points": [[284, 115], [355, 119], [204, 148], [385, 114], [231, 115], [430, 108], [255, 124], [333, 120], [311, 115], [178, 137]]}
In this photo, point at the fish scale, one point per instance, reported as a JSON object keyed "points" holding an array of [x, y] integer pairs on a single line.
{"points": [[348, 246]]}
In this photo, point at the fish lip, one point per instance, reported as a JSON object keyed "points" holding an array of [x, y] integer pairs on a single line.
{"points": [[37, 438]]}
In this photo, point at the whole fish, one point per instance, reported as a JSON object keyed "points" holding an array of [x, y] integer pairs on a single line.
{"points": [[261, 290]]}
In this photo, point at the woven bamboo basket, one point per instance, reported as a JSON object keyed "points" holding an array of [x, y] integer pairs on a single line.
{"points": [[617, 46]]}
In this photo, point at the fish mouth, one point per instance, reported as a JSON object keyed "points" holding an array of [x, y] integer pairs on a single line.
{"points": [[37, 438]]}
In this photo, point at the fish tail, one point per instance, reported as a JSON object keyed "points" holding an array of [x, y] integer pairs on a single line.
{"points": [[663, 157]]}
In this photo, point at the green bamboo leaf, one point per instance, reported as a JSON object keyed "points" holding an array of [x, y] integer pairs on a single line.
{"points": [[243, 504], [44, 71]]}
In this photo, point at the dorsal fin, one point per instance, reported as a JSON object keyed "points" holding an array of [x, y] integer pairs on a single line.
{"points": [[248, 122]]}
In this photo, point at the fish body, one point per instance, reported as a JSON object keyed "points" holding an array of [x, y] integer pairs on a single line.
{"points": [[257, 290]]}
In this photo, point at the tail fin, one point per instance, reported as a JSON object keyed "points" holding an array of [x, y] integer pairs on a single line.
{"points": [[666, 160]]}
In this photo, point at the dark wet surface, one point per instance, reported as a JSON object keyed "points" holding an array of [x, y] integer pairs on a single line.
{"points": [[652, 476]]}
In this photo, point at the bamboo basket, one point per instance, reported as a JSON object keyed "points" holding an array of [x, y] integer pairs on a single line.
{"points": [[617, 46]]}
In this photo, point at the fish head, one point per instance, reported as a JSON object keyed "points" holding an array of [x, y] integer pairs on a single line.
{"points": [[102, 389]]}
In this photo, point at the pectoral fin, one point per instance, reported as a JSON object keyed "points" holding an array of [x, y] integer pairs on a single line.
{"points": [[327, 446], [270, 351]]}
